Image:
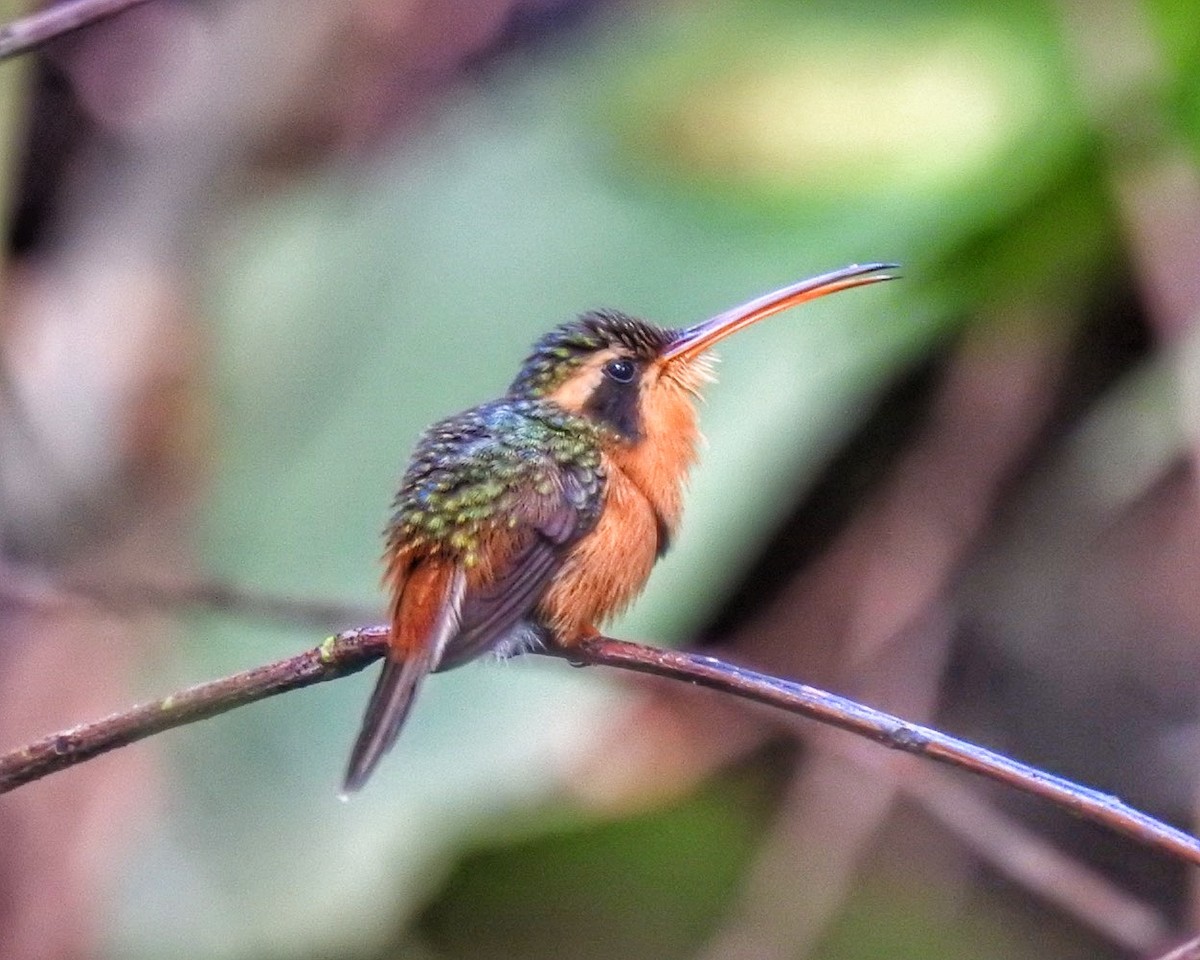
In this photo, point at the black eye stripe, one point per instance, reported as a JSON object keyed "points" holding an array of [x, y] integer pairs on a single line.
{"points": [[614, 401]]}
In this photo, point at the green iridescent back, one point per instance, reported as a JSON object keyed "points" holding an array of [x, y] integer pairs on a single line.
{"points": [[470, 473]]}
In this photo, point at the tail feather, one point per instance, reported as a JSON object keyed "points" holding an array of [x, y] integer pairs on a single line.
{"points": [[386, 711], [425, 619]]}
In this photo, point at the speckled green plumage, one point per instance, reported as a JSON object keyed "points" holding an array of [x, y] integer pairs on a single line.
{"points": [[472, 472]]}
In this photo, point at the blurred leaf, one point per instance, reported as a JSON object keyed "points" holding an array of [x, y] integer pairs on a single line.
{"points": [[1053, 250], [14, 97], [659, 885], [889, 918], [930, 117], [653, 886]]}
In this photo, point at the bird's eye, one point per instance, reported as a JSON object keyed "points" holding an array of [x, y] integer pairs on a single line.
{"points": [[620, 370]]}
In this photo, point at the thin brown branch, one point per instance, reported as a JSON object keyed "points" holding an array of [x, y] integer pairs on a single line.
{"points": [[353, 650], [894, 733], [338, 656], [27, 33]]}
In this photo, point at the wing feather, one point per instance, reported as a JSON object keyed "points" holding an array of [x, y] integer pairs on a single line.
{"points": [[547, 524]]}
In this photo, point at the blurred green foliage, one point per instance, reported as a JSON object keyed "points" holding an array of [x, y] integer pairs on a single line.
{"points": [[670, 162], [642, 887], [14, 95]]}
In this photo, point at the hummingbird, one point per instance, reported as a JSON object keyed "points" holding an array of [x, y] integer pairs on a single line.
{"points": [[529, 520]]}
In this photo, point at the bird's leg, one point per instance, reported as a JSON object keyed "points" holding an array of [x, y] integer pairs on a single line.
{"points": [[579, 639]]}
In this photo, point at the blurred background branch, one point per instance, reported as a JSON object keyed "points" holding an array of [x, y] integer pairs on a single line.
{"points": [[28, 33], [1189, 950]]}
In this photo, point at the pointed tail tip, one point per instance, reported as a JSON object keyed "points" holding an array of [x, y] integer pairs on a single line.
{"points": [[386, 711], [353, 783], [357, 774]]}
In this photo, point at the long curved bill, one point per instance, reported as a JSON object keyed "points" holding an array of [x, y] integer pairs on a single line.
{"points": [[693, 341]]}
